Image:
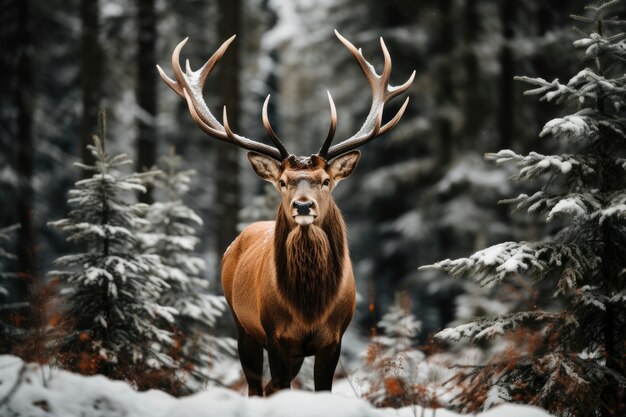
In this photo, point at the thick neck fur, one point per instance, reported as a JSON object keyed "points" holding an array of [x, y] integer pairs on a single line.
{"points": [[309, 262]]}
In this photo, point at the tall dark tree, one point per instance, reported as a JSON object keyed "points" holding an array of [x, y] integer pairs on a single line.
{"points": [[445, 80], [23, 101], [146, 89], [507, 68], [227, 162], [91, 74], [472, 109]]}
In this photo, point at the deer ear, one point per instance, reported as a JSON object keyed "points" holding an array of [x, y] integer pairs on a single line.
{"points": [[264, 166], [342, 166]]}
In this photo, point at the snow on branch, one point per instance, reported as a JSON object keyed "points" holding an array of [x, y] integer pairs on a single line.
{"points": [[491, 266], [586, 87], [549, 91], [576, 126], [566, 370], [590, 296], [535, 164], [615, 209], [489, 327], [577, 206], [597, 45]]}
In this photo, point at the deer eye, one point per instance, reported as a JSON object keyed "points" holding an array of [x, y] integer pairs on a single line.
{"points": [[326, 182], [282, 184]]}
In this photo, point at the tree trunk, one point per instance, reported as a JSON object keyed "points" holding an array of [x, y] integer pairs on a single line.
{"points": [[446, 89], [24, 104], [473, 110], [146, 90], [507, 72], [91, 64], [227, 166]]}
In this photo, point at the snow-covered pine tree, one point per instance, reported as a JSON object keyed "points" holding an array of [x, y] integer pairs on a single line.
{"points": [[171, 235], [7, 329], [109, 288], [575, 365]]}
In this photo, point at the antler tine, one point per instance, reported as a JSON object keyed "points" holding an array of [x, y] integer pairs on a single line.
{"points": [[178, 88], [215, 58], [366, 67], [228, 135], [393, 122], [323, 152], [382, 92], [189, 85], [355, 142], [270, 132], [387, 64], [394, 91], [249, 144]]}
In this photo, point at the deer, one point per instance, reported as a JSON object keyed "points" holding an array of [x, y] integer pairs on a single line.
{"points": [[289, 282]]}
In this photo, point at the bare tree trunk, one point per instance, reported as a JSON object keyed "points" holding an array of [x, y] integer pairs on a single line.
{"points": [[91, 63], [227, 169], [146, 90], [506, 118], [473, 110], [23, 102], [446, 89]]}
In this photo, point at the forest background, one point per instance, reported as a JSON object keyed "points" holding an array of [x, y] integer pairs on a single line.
{"points": [[420, 194]]}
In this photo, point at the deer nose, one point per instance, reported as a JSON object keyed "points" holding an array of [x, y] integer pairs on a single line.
{"points": [[303, 208]]}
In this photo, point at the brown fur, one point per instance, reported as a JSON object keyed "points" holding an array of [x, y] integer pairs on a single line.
{"points": [[309, 263]]}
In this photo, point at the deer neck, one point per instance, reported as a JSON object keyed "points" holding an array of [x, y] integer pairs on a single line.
{"points": [[309, 262]]}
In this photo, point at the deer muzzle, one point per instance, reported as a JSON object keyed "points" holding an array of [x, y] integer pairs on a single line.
{"points": [[304, 212]]}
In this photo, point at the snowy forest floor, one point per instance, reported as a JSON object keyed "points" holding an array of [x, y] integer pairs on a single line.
{"points": [[30, 390]]}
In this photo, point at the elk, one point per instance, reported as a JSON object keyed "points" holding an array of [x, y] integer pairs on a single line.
{"points": [[289, 282]]}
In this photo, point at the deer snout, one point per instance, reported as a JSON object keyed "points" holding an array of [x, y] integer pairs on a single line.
{"points": [[303, 208]]}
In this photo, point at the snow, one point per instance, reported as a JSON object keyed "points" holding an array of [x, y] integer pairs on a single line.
{"points": [[64, 394], [497, 395], [572, 207], [571, 124], [613, 211]]}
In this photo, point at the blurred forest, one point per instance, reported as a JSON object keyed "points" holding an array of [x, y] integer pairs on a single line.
{"points": [[420, 194]]}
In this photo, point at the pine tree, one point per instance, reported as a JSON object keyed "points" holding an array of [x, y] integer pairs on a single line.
{"points": [[171, 235], [110, 287], [573, 362]]}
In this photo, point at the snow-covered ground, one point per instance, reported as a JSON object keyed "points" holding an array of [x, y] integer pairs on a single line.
{"points": [[34, 391]]}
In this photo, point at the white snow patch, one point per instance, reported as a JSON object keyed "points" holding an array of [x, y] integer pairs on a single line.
{"points": [[71, 395]]}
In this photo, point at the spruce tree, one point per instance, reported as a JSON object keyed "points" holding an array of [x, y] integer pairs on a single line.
{"points": [[110, 286], [573, 361], [171, 235]]}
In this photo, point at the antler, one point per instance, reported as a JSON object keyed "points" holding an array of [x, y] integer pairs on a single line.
{"points": [[382, 92], [189, 85]]}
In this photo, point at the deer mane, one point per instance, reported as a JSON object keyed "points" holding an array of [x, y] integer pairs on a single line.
{"points": [[309, 262]]}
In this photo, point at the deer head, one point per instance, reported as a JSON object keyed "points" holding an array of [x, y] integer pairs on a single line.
{"points": [[305, 182]]}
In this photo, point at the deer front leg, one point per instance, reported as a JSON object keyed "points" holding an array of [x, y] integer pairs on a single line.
{"points": [[325, 364], [280, 367], [251, 358]]}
